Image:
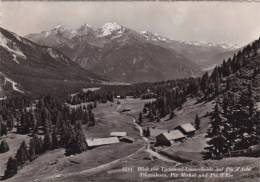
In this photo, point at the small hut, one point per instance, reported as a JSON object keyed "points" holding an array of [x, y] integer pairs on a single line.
{"points": [[118, 134], [94, 142]]}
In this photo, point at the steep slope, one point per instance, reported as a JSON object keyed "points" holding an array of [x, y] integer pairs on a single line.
{"points": [[240, 71], [123, 54], [37, 68], [248, 74], [144, 62]]}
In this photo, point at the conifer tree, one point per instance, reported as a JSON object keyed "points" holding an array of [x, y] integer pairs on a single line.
{"points": [[217, 82], [37, 143], [24, 125], [77, 141], [10, 121], [140, 118], [40, 145], [4, 146], [144, 110], [55, 141], [11, 168], [65, 133], [80, 137], [148, 133], [47, 142], [204, 83], [32, 149], [92, 119], [215, 121], [1, 121], [70, 145], [22, 154], [245, 121], [197, 122], [4, 130], [217, 145]]}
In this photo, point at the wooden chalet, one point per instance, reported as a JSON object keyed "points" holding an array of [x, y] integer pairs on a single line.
{"points": [[167, 138], [187, 129]]}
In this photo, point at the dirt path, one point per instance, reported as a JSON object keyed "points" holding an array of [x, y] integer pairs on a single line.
{"points": [[148, 148], [140, 130]]}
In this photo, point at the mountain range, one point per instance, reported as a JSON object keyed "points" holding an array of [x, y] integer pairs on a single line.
{"points": [[118, 53], [65, 59], [123, 54]]}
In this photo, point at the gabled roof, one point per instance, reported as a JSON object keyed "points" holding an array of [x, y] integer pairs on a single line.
{"points": [[187, 127], [101, 141], [127, 138], [118, 134], [155, 131], [173, 135]]}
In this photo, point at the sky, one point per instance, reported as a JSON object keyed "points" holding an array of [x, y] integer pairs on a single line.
{"points": [[216, 22]]}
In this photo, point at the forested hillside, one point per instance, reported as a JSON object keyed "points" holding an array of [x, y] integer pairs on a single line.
{"points": [[50, 124], [234, 86]]}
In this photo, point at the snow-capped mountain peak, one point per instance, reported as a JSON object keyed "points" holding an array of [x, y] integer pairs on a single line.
{"points": [[156, 37], [153, 36], [86, 25], [110, 28], [229, 46], [209, 44], [53, 31]]}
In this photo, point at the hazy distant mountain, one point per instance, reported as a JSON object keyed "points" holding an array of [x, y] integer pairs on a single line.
{"points": [[205, 54], [27, 67]]}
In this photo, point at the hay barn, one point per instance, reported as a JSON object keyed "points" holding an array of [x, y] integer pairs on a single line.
{"points": [[187, 129], [167, 138], [94, 142]]}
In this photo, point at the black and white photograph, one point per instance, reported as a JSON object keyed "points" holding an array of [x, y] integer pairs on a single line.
{"points": [[129, 91]]}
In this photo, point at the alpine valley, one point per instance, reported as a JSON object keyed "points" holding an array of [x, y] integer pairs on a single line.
{"points": [[113, 104], [125, 55]]}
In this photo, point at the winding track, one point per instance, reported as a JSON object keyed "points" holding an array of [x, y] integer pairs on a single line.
{"points": [[148, 149], [110, 165]]}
